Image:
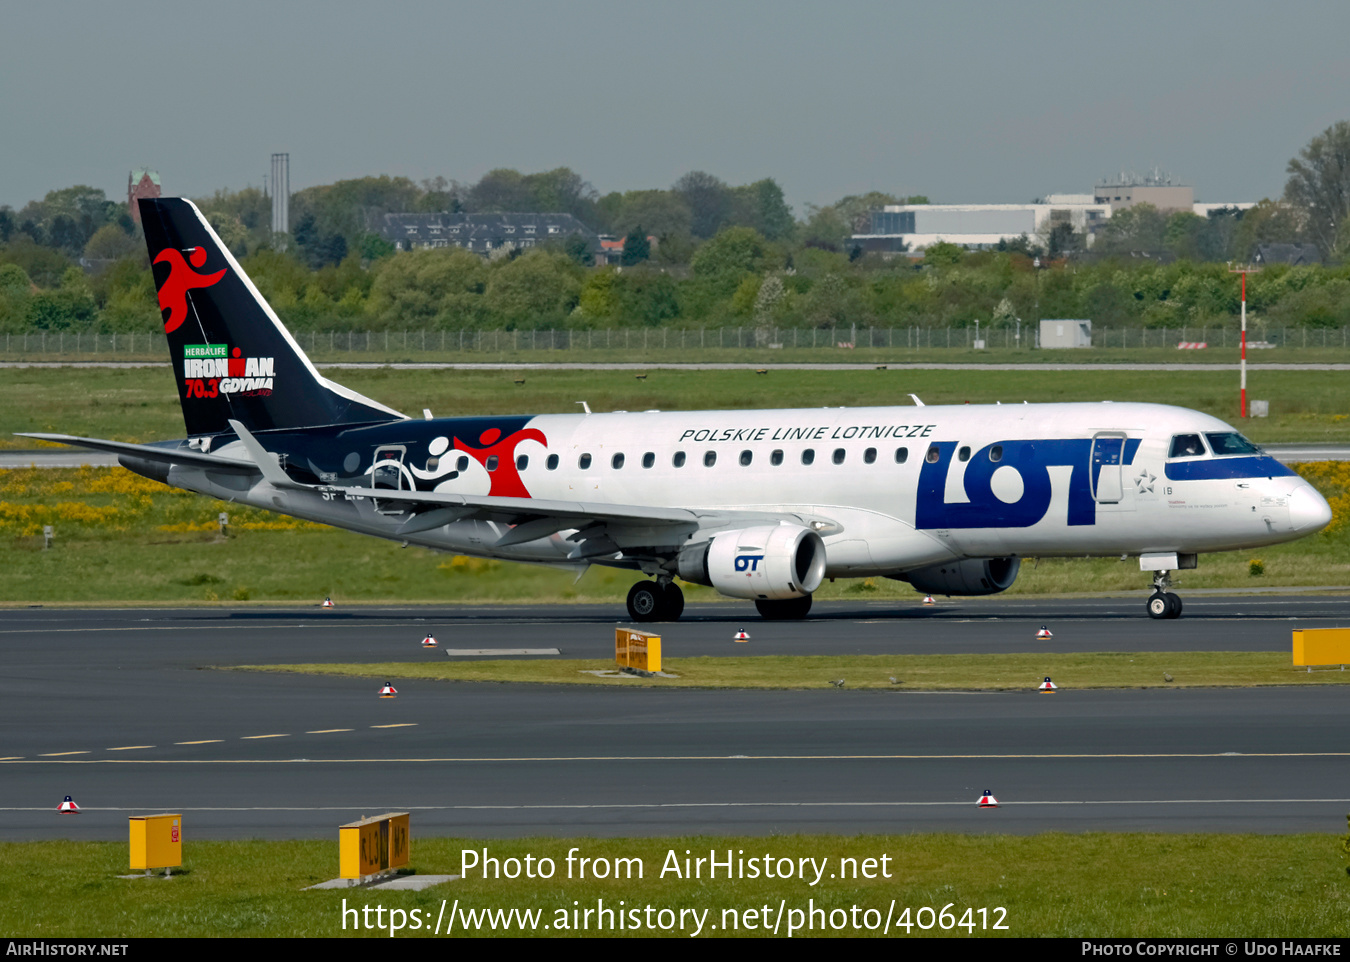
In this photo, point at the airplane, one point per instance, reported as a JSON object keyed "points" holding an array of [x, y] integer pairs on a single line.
{"points": [[762, 505]]}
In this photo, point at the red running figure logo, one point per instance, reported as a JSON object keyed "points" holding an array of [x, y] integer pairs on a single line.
{"points": [[181, 279], [506, 480]]}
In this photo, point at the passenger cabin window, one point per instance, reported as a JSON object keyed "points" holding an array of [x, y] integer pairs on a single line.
{"points": [[808, 456], [709, 459], [933, 454], [746, 458], [776, 458], [901, 455], [964, 453], [552, 462], [616, 462], [996, 453], [584, 462], [492, 462], [678, 460], [462, 464], [522, 462], [870, 456], [838, 456], [1231, 443], [648, 459], [1186, 446]]}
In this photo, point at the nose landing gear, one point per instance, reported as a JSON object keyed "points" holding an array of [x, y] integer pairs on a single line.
{"points": [[1163, 603]]}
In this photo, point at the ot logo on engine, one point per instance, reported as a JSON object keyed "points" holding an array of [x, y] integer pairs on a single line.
{"points": [[748, 562]]}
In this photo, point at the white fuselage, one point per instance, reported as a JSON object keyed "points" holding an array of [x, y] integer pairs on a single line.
{"points": [[892, 488]]}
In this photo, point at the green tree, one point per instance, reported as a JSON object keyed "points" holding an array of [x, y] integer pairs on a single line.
{"points": [[709, 201], [761, 205], [538, 289], [1137, 228], [636, 247], [1319, 184], [730, 255], [943, 254], [110, 242], [444, 285], [663, 213]]}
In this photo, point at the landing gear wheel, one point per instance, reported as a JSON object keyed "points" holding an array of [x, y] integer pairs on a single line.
{"points": [[1173, 605], [673, 603], [1158, 605], [788, 609], [646, 601]]}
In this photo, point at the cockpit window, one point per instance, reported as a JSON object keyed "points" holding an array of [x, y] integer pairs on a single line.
{"points": [[1231, 443], [1186, 446]]}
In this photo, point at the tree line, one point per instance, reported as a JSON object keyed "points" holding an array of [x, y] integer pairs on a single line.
{"points": [[723, 255]]}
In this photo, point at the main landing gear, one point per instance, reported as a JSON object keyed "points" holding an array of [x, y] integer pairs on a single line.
{"points": [[654, 601], [1163, 603]]}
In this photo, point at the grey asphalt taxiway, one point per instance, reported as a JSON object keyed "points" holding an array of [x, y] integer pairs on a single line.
{"points": [[126, 711]]}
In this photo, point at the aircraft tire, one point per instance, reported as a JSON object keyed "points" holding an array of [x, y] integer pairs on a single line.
{"points": [[788, 609], [646, 601], [1158, 605], [674, 603], [1173, 605]]}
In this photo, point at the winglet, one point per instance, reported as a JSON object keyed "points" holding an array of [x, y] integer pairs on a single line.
{"points": [[914, 396], [265, 460]]}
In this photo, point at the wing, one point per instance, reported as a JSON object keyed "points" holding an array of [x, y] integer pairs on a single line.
{"points": [[151, 452]]}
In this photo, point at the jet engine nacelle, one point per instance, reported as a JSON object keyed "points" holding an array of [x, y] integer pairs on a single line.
{"points": [[978, 576], [769, 562]]}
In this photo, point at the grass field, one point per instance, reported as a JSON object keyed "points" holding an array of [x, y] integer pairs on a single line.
{"points": [[141, 404], [1005, 672], [1050, 885], [121, 538], [124, 539]]}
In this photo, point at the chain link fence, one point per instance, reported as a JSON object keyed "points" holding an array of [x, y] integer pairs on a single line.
{"points": [[676, 342]]}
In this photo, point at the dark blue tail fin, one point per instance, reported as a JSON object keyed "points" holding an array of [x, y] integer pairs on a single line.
{"points": [[231, 356]]}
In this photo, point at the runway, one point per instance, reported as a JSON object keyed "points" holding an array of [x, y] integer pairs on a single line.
{"points": [[123, 710]]}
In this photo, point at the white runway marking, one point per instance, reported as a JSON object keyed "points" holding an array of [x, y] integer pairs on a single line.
{"points": [[962, 803]]}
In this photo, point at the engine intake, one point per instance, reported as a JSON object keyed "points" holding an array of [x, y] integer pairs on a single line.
{"points": [[761, 563], [976, 576]]}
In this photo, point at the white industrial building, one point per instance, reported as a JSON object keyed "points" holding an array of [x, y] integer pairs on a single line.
{"points": [[978, 226]]}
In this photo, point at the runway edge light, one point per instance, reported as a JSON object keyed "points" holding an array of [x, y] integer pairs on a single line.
{"points": [[741, 635], [428, 642], [1048, 685], [987, 800], [928, 601], [68, 807], [1044, 634], [328, 603], [388, 691]]}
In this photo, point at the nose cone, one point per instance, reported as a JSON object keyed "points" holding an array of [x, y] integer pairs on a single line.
{"points": [[1308, 510]]}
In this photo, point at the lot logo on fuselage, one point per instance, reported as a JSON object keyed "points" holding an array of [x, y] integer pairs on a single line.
{"points": [[1023, 471], [748, 562], [181, 279], [210, 370]]}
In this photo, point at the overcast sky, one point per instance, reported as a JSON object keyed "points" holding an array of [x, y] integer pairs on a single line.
{"points": [[964, 102]]}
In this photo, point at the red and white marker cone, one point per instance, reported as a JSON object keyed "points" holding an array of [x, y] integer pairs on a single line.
{"points": [[68, 807], [928, 601], [1044, 634], [327, 603], [388, 691], [1048, 685], [987, 800], [741, 635], [428, 642]]}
